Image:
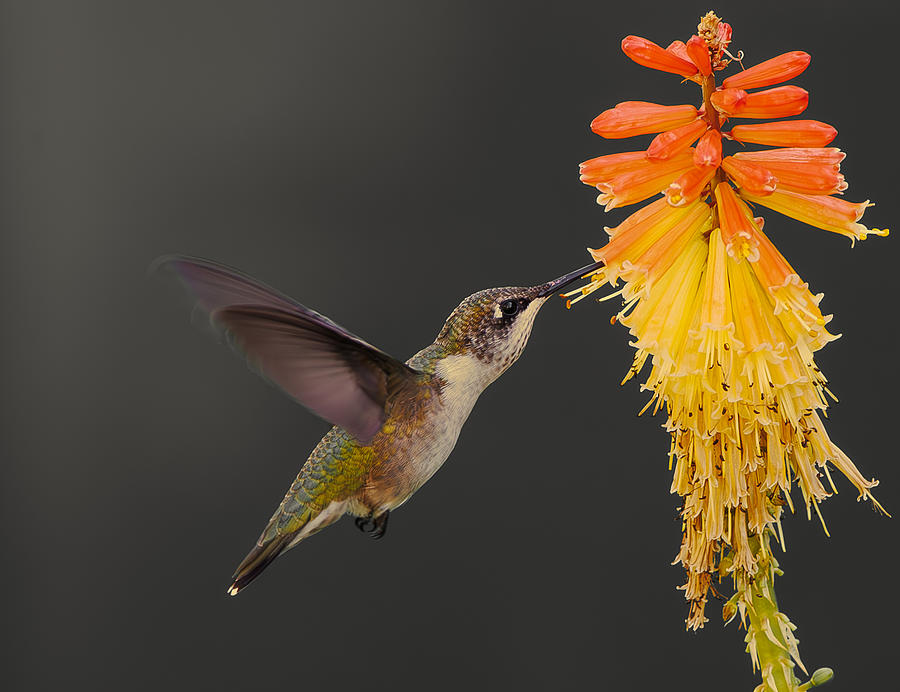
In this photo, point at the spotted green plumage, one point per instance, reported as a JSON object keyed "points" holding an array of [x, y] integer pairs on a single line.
{"points": [[336, 469], [340, 469]]}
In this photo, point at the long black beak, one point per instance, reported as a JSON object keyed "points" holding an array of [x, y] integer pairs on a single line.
{"points": [[553, 286]]}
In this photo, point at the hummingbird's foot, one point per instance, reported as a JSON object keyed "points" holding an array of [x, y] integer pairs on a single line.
{"points": [[375, 527]]}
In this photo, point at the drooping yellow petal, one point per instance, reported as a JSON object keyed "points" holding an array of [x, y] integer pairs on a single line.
{"points": [[827, 213]]}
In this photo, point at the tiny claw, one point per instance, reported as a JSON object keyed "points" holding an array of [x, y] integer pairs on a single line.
{"points": [[373, 526]]}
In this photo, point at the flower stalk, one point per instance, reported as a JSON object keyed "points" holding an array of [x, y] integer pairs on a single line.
{"points": [[770, 639]]}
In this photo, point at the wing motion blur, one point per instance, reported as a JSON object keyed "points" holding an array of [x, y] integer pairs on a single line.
{"points": [[316, 362]]}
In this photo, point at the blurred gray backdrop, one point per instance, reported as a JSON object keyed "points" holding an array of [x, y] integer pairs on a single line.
{"points": [[379, 162]]}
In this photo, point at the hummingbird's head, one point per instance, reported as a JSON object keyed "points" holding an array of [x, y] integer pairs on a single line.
{"points": [[493, 325]]}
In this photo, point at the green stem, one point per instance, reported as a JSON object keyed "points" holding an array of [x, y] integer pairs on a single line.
{"points": [[770, 639]]}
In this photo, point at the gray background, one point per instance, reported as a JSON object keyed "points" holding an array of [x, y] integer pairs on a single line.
{"points": [[380, 161]]}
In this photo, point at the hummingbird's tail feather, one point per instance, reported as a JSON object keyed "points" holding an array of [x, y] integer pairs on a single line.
{"points": [[257, 560], [292, 522]]}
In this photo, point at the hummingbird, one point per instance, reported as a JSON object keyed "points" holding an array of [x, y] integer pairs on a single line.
{"points": [[394, 423]]}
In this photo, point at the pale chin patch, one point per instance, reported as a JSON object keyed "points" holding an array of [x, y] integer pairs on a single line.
{"points": [[522, 330]]}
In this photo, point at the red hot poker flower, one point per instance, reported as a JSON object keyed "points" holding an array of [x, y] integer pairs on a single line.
{"points": [[726, 326]]}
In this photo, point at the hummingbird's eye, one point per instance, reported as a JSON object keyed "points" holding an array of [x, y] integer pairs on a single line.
{"points": [[509, 307]]}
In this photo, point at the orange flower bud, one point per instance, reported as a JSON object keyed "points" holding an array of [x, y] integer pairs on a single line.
{"points": [[736, 223], [831, 156], [728, 100], [639, 184], [603, 168], [648, 54], [709, 149], [680, 49], [779, 102], [772, 269], [797, 175], [749, 176], [779, 69], [790, 133], [698, 52], [667, 144], [689, 185], [631, 118]]}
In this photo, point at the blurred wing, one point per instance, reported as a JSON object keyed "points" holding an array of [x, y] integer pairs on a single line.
{"points": [[215, 286], [321, 365]]}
